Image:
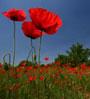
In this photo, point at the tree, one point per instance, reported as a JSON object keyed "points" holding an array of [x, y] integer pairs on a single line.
{"points": [[62, 59], [78, 54]]}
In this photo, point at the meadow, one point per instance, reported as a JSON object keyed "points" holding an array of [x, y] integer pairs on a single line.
{"points": [[56, 81]]}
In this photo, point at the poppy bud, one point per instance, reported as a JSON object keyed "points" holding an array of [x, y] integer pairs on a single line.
{"points": [[34, 57], [5, 65]]}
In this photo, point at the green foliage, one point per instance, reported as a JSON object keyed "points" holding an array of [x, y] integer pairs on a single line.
{"points": [[27, 63], [62, 59], [76, 55], [88, 62]]}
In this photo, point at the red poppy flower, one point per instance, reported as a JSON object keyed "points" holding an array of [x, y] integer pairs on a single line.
{"points": [[42, 78], [69, 84], [56, 75], [45, 20], [5, 86], [36, 65], [25, 82], [17, 85], [11, 88], [31, 78], [47, 58], [87, 95], [57, 63], [0, 64], [23, 63], [30, 30], [57, 81], [59, 70], [79, 88], [15, 15]]}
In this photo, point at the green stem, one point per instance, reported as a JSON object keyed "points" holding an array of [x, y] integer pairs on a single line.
{"points": [[29, 55], [32, 50], [8, 54], [14, 43], [32, 65], [39, 64], [34, 56], [39, 49]]}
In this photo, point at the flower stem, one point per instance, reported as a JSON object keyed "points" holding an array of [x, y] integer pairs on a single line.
{"points": [[14, 43], [32, 65], [39, 64], [29, 55], [32, 50], [39, 49], [34, 56], [8, 54]]}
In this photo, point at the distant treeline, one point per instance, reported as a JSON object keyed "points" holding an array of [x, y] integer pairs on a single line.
{"points": [[77, 55]]}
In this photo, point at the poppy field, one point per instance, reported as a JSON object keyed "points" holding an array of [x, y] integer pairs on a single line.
{"points": [[55, 82], [30, 79]]}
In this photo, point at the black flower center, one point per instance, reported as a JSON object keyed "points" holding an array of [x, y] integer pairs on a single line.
{"points": [[14, 18]]}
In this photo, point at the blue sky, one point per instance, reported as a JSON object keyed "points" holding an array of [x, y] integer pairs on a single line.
{"points": [[75, 15]]}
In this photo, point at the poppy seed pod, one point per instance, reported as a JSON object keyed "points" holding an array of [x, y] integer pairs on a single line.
{"points": [[34, 57]]}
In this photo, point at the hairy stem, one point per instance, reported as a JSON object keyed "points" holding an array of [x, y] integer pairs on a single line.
{"points": [[29, 55], [14, 43], [39, 64], [32, 50]]}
